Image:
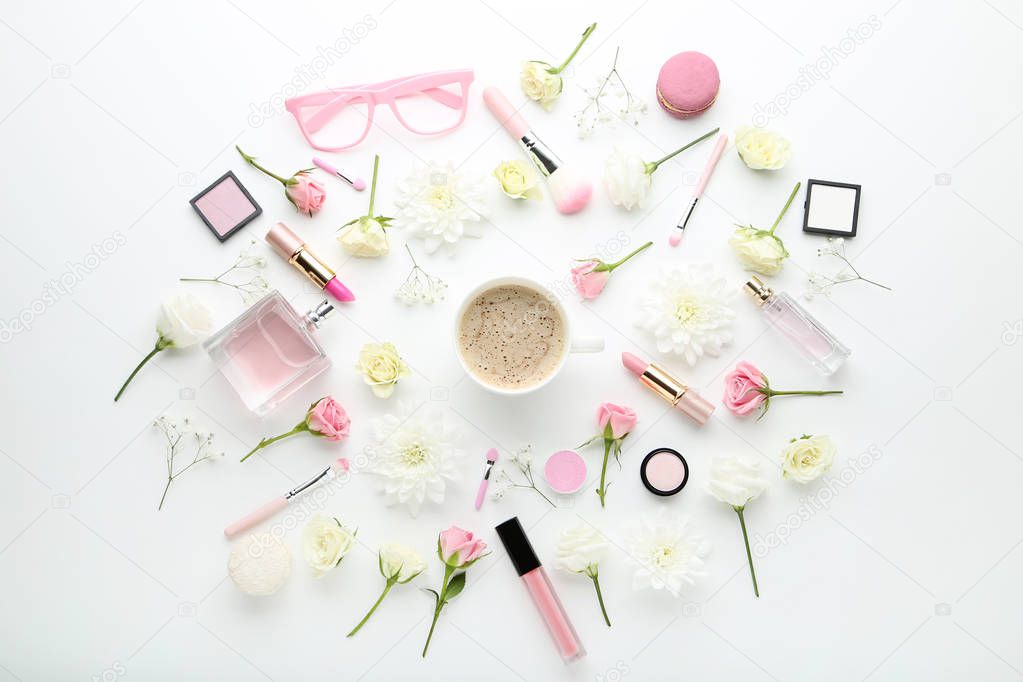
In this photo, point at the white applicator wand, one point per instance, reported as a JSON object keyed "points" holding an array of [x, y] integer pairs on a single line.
{"points": [[336, 469], [570, 191], [708, 170]]}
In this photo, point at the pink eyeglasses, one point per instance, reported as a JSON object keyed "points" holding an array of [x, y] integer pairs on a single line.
{"points": [[340, 118]]}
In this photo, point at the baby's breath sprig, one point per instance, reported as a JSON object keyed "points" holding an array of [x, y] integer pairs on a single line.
{"points": [[177, 435], [420, 285], [247, 263], [609, 101], [820, 284], [523, 461]]}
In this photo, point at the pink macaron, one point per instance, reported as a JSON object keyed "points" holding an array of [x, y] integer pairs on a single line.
{"points": [[688, 84]]}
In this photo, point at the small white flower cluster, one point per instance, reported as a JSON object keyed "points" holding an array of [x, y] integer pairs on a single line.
{"points": [[610, 101], [522, 459], [420, 286], [249, 262], [819, 284], [176, 435]]}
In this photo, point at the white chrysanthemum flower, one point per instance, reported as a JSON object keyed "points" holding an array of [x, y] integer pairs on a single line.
{"points": [[581, 549], [666, 553], [736, 480], [415, 457], [687, 310], [439, 204]]}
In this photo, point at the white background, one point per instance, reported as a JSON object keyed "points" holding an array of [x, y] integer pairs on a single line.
{"points": [[113, 114]]}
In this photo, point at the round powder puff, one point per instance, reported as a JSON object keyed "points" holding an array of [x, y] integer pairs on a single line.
{"points": [[688, 84], [565, 472], [259, 564]]}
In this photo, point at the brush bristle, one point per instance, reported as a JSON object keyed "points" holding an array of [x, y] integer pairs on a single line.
{"points": [[492, 455], [569, 189]]}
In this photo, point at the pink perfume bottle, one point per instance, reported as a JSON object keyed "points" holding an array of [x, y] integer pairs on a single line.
{"points": [[815, 343], [269, 351]]}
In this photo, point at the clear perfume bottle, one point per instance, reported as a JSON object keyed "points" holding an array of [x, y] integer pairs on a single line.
{"points": [[270, 351], [810, 338]]}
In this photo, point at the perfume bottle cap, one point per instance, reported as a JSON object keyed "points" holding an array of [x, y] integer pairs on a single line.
{"points": [[760, 292], [317, 314]]}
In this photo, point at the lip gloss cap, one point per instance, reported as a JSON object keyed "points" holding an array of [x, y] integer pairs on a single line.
{"points": [[515, 542], [284, 241], [696, 406]]}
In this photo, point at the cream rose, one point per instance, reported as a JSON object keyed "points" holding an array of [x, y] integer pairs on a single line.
{"points": [[539, 84], [626, 179], [806, 458], [758, 250], [400, 563], [184, 321], [581, 549], [364, 238], [381, 367], [761, 149], [517, 180], [324, 543]]}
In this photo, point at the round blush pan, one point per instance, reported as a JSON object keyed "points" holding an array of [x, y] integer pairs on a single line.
{"points": [[664, 472], [565, 472]]}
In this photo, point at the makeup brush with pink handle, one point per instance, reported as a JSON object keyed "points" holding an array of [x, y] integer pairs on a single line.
{"points": [[275, 505], [570, 191]]}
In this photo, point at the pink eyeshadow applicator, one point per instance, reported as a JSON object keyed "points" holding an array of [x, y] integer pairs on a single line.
{"points": [[570, 191], [357, 183], [708, 170]]}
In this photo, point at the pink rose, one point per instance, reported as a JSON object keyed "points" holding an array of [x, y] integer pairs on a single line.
{"points": [[328, 419], [307, 194], [742, 389], [587, 282], [621, 419], [459, 547]]}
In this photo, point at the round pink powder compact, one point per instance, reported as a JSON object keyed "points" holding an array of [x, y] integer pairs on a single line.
{"points": [[688, 84], [565, 472], [664, 472]]}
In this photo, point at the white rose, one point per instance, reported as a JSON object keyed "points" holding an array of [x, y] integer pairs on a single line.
{"points": [[183, 320], [324, 543], [259, 564], [806, 458], [758, 250], [365, 238], [517, 180], [539, 84], [581, 549], [735, 481], [381, 367], [400, 563], [626, 179], [761, 149]]}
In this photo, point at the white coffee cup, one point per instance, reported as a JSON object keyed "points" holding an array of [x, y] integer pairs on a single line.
{"points": [[583, 344]]}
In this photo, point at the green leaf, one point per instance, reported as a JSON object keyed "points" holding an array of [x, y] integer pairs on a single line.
{"points": [[455, 587], [436, 597]]}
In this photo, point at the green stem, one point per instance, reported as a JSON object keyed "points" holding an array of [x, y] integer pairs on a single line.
{"points": [[166, 488], [387, 588], [600, 598], [651, 167], [786, 207], [749, 556], [586, 34], [448, 570], [612, 266], [602, 490], [269, 441], [373, 186], [161, 344], [251, 160], [774, 393]]}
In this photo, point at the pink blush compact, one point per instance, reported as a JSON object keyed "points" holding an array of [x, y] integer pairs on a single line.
{"points": [[226, 206], [565, 472], [664, 472]]}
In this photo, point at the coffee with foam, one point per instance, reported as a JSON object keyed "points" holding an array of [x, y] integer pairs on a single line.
{"points": [[512, 337]]}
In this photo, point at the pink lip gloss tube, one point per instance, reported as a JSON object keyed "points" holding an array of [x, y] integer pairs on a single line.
{"points": [[528, 566]]}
